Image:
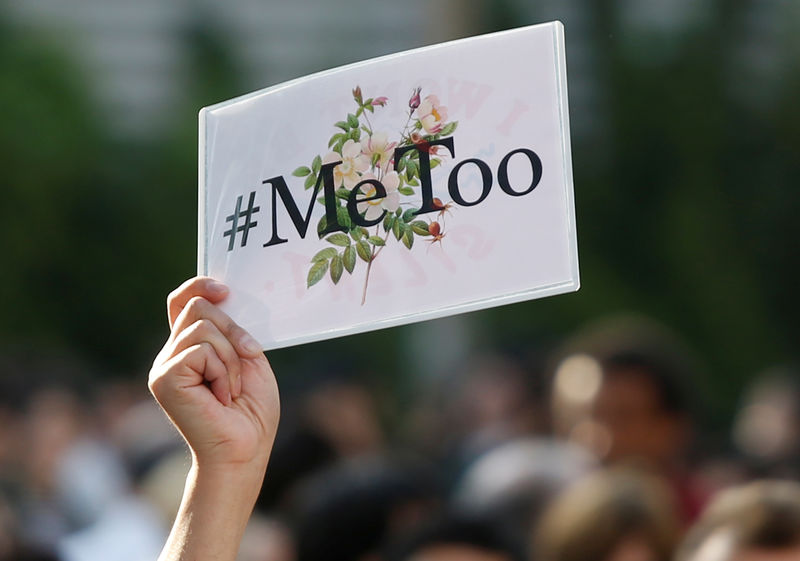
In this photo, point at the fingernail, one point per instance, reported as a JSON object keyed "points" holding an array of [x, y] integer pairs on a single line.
{"points": [[250, 345], [218, 287]]}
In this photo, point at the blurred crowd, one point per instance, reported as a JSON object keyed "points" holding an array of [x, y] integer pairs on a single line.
{"points": [[597, 452]]}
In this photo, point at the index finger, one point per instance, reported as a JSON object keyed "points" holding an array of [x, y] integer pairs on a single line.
{"points": [[205, 287]]}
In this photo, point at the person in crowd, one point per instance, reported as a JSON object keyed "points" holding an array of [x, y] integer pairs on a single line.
{"points": [[514, 482], [766, 429], [620, 390], [457, 537], [758, 521], [347, 512], [617, 514], [345, 413]]}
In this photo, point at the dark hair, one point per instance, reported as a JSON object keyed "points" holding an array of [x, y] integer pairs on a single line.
{"points": [[458, 529], [656, 370], [640, 346], [347, 511], [298, 453]]}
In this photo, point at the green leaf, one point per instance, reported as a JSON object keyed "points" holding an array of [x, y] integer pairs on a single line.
{"points": [[396, 229], [409, 215], [324, 255], [323, 223], [359, 112], [365, 129], [411, 169], [316, 273], [343, 217], [302, 171], [316, 165], [336, 268], [417, 125], [370, 108], [335, 138], [408, 238], [376, 240], [343, 193], [398, 212], [413, 181], [342, 125], [435, 162], [310, 181], [405, 191], [349, 258], [401, 165], [388, 222], [363, 250], [364, 232], [352, 120], [356, 234], [339, 239], [420, 228], [355, 134], [448, 129]]}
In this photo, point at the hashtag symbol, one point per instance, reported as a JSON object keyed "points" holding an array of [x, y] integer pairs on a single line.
{"points": [[248, 222]]}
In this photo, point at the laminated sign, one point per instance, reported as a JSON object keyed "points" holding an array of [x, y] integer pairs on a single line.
{"points": [[403, 188]]}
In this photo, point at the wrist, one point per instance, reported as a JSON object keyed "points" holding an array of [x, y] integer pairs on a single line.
{"points": [[233, 477], [217, 502]]}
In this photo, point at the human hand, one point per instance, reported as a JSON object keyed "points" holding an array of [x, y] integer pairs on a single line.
{"points": [[214, 382]]}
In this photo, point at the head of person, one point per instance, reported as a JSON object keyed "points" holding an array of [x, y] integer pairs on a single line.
{"points": [[766, 429], [455, 537], [617, 514], [620, 390], [754, 522], [348, 511]]}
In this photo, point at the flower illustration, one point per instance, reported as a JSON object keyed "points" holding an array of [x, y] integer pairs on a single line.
{"points": [[432, 114], [414, 102], [353, 162], [417, 139], [378, 144], [391, 202], [367, 155]]}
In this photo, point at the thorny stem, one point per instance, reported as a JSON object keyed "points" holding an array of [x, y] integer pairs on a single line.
{"points": [[373, 255], [404, 135]]}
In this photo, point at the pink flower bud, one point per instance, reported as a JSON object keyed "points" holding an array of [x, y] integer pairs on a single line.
{"points": [[380, 101], [415, 100], [357, 94]]}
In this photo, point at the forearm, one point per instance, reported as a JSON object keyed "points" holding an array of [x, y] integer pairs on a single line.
{"points": [[217, 503], [218, 389]]}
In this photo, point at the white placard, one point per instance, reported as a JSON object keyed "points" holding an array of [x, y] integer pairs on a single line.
{"points": [[440, 179]]}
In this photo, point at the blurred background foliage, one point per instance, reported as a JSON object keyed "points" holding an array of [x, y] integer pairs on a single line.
{"points": [[686, 152]]}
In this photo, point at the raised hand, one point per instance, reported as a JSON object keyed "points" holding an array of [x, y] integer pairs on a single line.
{"points": [[218, 389]]}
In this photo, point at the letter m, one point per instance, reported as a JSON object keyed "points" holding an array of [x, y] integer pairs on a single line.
{"points": [[301, 222]]}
